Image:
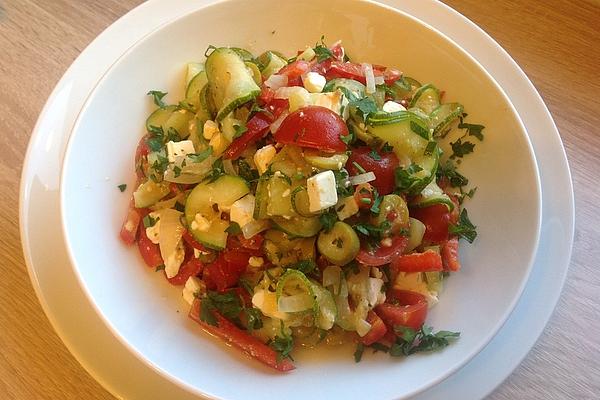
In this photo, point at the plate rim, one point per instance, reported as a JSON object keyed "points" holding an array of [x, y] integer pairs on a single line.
{"points": [[29, 152]]}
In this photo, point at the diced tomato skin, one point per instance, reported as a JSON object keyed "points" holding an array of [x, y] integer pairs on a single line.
{"points": [[225, 271], [129, 229], [295, 69], [382, 255], [338, 51], [150, 252], [266, 95], [257, 128], [254, 243], [275, 108], [234, 336], [436, 219], [428, 261], [411, 310], [377, 331], [314, 127], [449, 252], [383, 167], [192, 267]]}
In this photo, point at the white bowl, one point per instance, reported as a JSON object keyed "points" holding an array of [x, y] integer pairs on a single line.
{"points": [[147, 314]]}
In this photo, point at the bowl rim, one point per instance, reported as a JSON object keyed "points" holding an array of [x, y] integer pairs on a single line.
{"points": [[455, 46]]}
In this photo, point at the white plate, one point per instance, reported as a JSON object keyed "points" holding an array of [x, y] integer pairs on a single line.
{"points": [[40, 178]]}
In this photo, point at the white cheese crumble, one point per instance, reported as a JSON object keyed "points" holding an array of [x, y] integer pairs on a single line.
{"points": [[314, 82], [242, 210], [322, 191], [392, 106], [193, 287], [179, 149], [263, 158]]}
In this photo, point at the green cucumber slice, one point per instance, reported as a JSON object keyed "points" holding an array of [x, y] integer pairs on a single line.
{"points": [[192, 92], [202, 200], [327, 309], [270, 63], [298, 226], [179, 120], [442, 117], [300, 202], [230, 82], [193, 69], [340, 245], [262, 198], [149, 192], [280, 196], [159, 117], [283, 251], [404, 88], [334, 162], [427, 98], [352, 89], [430, 195]]}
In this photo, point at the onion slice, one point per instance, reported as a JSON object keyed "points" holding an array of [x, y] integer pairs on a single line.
{"points": [[362, 178], [369, 78], [276, 81], [295, 303]]}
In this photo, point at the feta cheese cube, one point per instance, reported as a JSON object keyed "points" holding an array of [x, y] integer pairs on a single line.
{"points": [[242, 210], [314, 82], [200, 223], [193, 287], [346, 207], [322, 191], [179, 149], [153, 231], [263, 158], [174, 260], [392, 106], [211, 128]]}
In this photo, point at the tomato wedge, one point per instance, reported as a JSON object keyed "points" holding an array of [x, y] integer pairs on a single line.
{"points": [[428, 261], [355, 71], [314, 127], [449, 251], [226, 270], [191, 268], [234, 336], [436, 219], [382, 164], [382, 255], [403, 308], [150, 252], [377, 331]]}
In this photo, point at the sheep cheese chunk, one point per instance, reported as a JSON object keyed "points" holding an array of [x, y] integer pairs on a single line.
{"points": [[314, 82], [322, 191], [241, 211], [179, 149], [193, 287], [263, 158], [392, 106]]}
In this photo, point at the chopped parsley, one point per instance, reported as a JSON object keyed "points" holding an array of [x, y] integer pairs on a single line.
{"points": [[283, 345], [149, 221], [328, 219], [233, 228], [410, 341], [217, 170], [157, 96], [448, 170], [364, 107], [358, 353], [405, 179], [465, 228], [304, 266], [199, 157], [245, 171], [472, 129], [227, 304], [122, 187], [322, 52], [460, 148], [160, 267], [239, 130], [387, 148], [374, 155]]}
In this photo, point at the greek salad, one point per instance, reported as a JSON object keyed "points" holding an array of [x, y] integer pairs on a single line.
{"points": [[304, 201]]}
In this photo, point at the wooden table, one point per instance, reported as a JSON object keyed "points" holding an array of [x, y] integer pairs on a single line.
{"points": [[555, 42]]}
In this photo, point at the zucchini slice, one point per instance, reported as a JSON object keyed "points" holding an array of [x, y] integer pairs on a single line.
{"points": [[298, 226], [159, 117], [270, 62], [430, 195], [442, 117], [352, 89], [427, 98], [230, 82]]}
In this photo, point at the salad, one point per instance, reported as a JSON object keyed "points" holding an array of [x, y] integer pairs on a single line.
{"points": [[304, 201]]}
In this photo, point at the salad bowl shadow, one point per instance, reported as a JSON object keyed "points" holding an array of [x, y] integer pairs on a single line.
{"points": [[149, 316]]}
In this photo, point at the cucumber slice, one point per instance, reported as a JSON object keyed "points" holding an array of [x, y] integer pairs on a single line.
{"points": [[340, 245], [270, 63], [159, 117], [434, 281], [442, 117], [255, 72], [327, 308], [262, 198], [202, 200], [427, 98], [298, 226], [280, 196], [193, 89], [243, 53], [352, 89], [283, 251], [229, 81], [179, 120], [193, 69], [410, 137], [300, 202], [149, 192], [430, 195], [334, 162], [404, 88]]}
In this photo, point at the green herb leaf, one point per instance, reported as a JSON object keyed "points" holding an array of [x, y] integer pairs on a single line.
{"points": [[245, 171], [233, 228], [161, 164], [228, 304], [358, 353], [328, 219], [448, 170], [387, 148], [199, 157], [322, 52], [283, 345], [410, 341], [377, 199], [157, 96], [464, 229], [460, 148], [374, 155], [122, 187], [405, 179], [304, 266], [239, 130], [179, 207], [149, 221], [254, 318], [364, 107], [172, 135], [472, 129], [344, 189], [217, 170]]}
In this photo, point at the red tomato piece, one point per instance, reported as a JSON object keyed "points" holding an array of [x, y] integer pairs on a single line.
{"points": [[295, 69], [403, 308], [377, 331], [276, 107], [382, 164], [226, 270], [382, 255], [129, 228], [436, 219], [234, 336], [315, 127], [189, 239], [254, 243], [257, 128], [191, 268], [338, 51], [428, 261], [150, 252], [354, 71], [449, 252], [266, 95]]}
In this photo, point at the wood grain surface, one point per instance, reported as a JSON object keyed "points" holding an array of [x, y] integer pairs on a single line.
{"points": [[556, 42]]}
